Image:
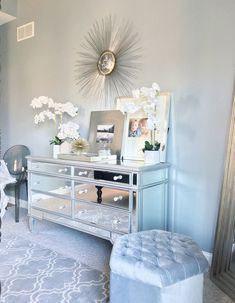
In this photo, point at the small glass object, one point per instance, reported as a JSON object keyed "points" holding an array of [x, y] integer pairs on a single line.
{"points": [[104, 151]]}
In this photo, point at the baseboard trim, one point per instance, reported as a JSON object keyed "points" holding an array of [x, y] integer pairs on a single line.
{"points": [[208, 256], [23, 203]]}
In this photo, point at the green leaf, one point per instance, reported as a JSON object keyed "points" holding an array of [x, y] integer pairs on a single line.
{"points": [[56, 141], [149, 146]]}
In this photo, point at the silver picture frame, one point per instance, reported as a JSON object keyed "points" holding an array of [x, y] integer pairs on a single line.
{"points": [[106, 131]]}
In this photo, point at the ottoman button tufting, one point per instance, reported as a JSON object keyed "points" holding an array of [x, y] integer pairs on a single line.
{"points": [[162, 267]]}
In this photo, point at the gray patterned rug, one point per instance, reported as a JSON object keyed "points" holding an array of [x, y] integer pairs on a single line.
{"points": [[33, 274]]}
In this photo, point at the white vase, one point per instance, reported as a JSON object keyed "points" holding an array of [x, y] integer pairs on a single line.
{"points": [[152, 156], [66, 147], [56, 151]]}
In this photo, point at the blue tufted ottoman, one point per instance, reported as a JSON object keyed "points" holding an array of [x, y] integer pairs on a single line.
{"points": [[156, 266]]}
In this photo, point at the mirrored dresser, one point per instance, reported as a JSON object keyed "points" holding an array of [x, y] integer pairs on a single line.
{"points": [[103, 199]]}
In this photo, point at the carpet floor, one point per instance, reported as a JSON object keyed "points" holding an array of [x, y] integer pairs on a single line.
{"points": [[80, 250], [32, 273]]}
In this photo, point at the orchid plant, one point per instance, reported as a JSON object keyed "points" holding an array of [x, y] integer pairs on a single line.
{"points": [[149, 104], [50, 110]]}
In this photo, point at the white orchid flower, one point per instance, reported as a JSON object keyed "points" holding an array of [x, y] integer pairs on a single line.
{"points": [[150, 124], [42, 116], [39, 118], [130, 108], [43, 100], [152, 121], [147, 107], [58, 108], [156, 87], [35, 103], [36, 120], [152, 93], [136, 93], [50, 115], [51, 103], [144, 91], [68, 131], [70, 109]]}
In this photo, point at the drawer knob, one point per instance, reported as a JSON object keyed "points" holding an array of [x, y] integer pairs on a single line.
{"points": [[117, 198], [62, 207], [119, 177], [83, 211], [82, 191], [116, 221], [62, 170], [82, 173], [36, 182]]}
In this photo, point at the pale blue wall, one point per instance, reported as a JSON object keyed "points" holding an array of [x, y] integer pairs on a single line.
{"points": [[9, 7], [188, 48]]}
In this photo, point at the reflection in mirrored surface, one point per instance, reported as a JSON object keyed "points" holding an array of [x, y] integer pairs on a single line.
{"points": [[232, 262], [106, 63], [223, 263]]}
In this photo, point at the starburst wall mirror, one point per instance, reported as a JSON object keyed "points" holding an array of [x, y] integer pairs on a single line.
{"points": [[108, 61]]}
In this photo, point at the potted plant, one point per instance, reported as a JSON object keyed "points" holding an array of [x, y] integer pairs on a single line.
{"points": [[48, 110], [149, 104], [56, 142], [151, 152]]}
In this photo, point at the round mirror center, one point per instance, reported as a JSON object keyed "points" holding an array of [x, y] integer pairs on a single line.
{"points": [[106, 63]]}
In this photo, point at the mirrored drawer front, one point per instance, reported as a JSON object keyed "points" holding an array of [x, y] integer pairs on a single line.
{"points": [[51, 168], [103, 195], [154, 176], [51, 184], [82, 172], [106, 217], [112, 176], [77, 225], [52, 204]]}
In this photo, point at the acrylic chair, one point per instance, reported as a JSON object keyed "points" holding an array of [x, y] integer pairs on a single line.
{"points": [[15, 159]]}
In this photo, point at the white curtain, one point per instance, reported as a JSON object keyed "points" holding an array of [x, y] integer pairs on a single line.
{"points": [[5, 178]]}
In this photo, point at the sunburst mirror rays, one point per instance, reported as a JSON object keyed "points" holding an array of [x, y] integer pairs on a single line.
{"points": [[109, 61]]}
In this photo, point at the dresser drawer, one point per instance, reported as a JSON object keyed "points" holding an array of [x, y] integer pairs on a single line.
{"points": [[51, 184], [51, 204], [83, 173], [107, 217], [51, 168], [104, 195], [77, 225], [112, 176]]}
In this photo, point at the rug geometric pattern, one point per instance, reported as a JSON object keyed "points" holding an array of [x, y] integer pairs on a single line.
{"points": [[31, 273]]}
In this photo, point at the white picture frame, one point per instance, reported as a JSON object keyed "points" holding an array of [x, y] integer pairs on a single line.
{"points": [[132, 145]]}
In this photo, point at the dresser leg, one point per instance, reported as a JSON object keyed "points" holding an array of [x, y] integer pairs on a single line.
{"points": [[31, 224], [99, 194]]}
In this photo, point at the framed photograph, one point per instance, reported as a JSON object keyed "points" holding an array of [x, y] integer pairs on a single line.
{"points": [[136, 131], [106, 131]]}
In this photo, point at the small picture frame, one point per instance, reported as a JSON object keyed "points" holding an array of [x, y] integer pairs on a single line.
{"points": [[106, 131], [136, 131]]}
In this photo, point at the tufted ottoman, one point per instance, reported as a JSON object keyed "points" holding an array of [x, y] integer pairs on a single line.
{"points": [[156, 266]]}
